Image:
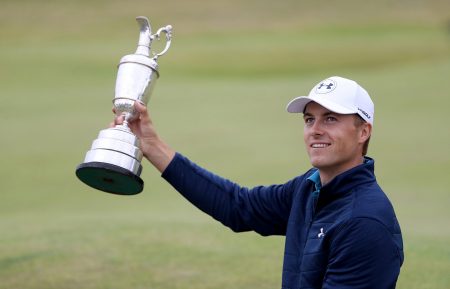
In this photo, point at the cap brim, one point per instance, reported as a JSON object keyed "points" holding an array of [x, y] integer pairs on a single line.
{"points": [[298, 104]]}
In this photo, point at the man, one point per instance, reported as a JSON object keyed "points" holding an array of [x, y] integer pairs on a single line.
{"points": [[341, 230]]}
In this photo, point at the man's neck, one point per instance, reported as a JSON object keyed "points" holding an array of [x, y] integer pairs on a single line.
{"points": [[328, 174]]}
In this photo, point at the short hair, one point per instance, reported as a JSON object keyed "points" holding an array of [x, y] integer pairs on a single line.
{"points": [[358, 122]]}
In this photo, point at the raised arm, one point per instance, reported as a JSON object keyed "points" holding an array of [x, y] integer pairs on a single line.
{"points": [[262, 209]]}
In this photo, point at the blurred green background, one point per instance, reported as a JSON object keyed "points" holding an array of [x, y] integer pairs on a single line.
{"points": [[220, 100]]}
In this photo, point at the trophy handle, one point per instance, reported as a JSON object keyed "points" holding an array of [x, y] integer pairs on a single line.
{"points": [[168, 31], [146, 37]]}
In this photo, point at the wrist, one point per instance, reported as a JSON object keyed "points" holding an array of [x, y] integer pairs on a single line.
{"points": [[158, 153]]}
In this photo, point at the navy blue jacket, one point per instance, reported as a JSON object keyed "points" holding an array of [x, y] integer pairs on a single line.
{"points": [[344, 236]]}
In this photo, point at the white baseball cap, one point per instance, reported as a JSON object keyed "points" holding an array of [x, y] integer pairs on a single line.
{"points": [[338, 94]]}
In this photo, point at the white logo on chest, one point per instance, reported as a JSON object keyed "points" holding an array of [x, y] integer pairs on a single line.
{"points": [[321, 234]]}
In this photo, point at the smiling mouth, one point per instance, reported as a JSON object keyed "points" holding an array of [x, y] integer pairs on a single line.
{"points": [[320, 145]]}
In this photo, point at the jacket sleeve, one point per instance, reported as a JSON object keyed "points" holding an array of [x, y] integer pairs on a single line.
{"points": [[363, 254], [261, 209]]}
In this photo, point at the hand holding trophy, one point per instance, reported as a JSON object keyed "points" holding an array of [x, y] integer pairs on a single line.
{"points": [[113, 164]]}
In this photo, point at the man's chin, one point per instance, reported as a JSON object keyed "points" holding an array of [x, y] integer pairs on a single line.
{"points": [[317, 162]]}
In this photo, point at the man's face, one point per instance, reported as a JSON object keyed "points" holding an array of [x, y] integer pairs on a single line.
{"points": [[333, 141]]}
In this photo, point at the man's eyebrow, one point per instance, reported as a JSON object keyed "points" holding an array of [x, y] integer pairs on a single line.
{"points": [[327, 113]]}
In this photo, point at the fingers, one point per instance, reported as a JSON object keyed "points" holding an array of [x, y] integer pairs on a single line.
{"points": [[142, 109], [118, 120]]}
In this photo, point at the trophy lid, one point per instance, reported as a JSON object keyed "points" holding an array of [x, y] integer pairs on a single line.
{"points": [[140, 59]]}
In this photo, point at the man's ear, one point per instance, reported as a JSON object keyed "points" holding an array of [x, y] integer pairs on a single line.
{"points": [[365, 132]]}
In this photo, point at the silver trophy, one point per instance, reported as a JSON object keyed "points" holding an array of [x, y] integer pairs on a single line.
{"points": [[113, 164]]}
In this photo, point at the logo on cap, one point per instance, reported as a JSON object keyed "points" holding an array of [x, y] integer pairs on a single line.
{"points": [[363, 112], [326, 86]]}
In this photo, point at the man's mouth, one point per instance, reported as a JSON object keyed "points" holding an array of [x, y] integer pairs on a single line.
{"points": [[320, 145]]}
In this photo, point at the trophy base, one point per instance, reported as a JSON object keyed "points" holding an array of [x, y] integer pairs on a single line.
{"points": [[109, 178]]}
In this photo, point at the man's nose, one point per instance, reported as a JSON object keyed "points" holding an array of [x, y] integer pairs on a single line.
{"points": [[316, 128]]}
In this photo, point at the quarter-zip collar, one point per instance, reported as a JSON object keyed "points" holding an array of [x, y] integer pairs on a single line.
{"points": [[344, 183], [315, 178]]}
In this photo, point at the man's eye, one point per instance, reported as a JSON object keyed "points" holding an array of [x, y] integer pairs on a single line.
{"points": [[309, 120], [331, 119]]}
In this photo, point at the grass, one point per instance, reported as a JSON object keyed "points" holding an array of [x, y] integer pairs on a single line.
{"points": [[220, 101]]}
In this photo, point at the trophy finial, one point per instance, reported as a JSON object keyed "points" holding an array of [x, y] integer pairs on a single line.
{"points": [[145, 36]]}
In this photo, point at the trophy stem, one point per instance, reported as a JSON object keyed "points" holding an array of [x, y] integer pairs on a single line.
{"points": [[125, 126]]}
